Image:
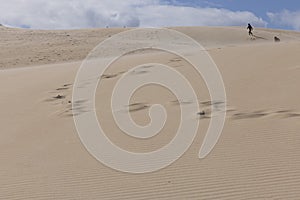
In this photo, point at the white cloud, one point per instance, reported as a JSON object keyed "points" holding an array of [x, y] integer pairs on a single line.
{"points": [[64, 14], [166, 15], [286, 18]]}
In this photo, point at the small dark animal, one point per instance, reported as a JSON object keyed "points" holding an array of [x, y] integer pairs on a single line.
{"points": [[202, 113], [276, 39]]}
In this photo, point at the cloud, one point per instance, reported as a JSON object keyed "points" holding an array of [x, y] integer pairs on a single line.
{"points": [[286, 18], [58, 14], [168, 15], [66, 14]]}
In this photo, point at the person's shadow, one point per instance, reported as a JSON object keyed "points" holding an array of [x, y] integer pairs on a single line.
{"points": [[259, 37]]}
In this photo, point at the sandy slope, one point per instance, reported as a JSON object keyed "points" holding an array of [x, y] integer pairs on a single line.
{"points": [[257, 157], [21, 47]]}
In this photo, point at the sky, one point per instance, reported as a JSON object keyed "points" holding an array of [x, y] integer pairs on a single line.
{"points": [[74, 14]]}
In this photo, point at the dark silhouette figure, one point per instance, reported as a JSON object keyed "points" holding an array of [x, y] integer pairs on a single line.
{"points": [[202, 113], [250, 29]]}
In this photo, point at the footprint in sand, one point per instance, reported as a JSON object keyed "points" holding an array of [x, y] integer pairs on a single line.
{"points": [[147, 66], [291, 115], [109, 76], [134, 107], [78, 107], [181, 102], [62, 88], [174, 60], [250, 115], [137, 107], [61, 99], [262, 113], [139, 72]]}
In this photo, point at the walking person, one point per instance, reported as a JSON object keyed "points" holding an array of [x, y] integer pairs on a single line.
{"points": [[250, 29]]}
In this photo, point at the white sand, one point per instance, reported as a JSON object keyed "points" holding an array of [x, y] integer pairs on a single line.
{"points": [[257, 156]]}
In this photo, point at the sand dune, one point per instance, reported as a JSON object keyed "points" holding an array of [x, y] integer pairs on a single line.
{"points": [[257, 156], [48, 47]]}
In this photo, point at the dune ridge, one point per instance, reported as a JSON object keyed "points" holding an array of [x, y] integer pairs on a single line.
{"points": [[57, 46]]}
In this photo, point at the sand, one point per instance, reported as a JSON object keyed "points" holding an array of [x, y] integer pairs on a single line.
{"points": [[257, 156]]}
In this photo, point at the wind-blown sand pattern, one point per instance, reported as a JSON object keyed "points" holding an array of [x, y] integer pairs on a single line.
{"points": [[257, 156]]}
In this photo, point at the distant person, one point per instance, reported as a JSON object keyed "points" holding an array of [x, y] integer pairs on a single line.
{"points": [[250, 29]]}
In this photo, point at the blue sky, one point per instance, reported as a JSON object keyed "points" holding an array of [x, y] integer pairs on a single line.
{"points": [[71, 14], [259, 7]]}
